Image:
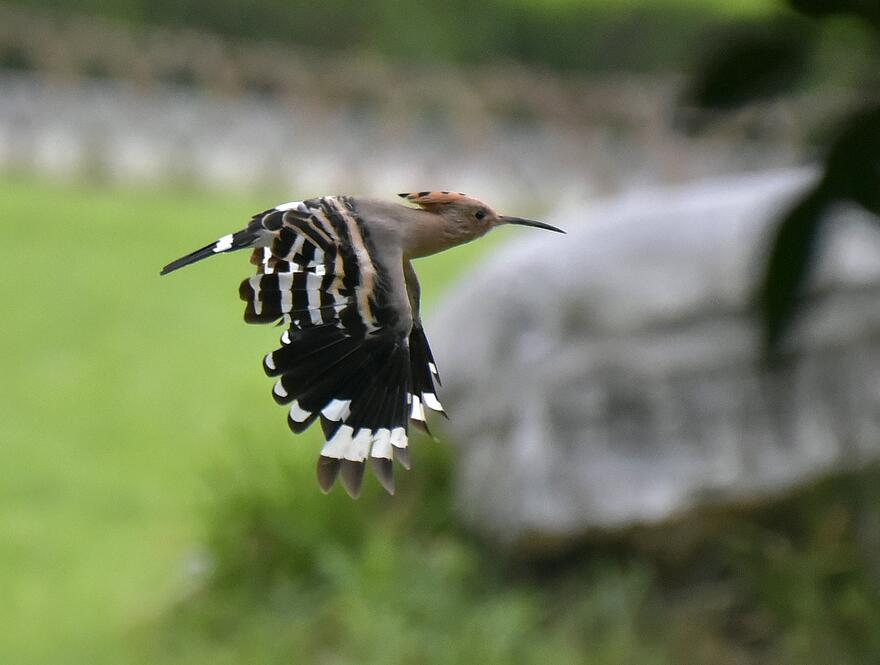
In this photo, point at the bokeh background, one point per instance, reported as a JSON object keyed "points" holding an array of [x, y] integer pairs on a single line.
{"points": [[154, 508]]}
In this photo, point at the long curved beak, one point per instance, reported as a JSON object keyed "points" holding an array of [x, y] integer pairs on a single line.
{"points": [[529, 222]]}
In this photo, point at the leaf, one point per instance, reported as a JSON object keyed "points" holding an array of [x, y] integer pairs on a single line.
{"points": [[852, 168], [756, 63], [791, 257], [869, 10], [852, 173]]}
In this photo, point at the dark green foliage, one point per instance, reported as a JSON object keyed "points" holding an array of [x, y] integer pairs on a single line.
{"points": [[852, 174], [791, 255], [16, 59], [810, 565], [852, 168], [269, 522], [868, 10], [751, 63], [395, 581]]}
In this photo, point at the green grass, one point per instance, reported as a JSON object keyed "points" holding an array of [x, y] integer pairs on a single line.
{"points": [[155, 509]]}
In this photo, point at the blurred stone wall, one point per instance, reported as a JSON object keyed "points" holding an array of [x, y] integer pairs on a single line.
{"points": [[616, 377], [80, 95]]}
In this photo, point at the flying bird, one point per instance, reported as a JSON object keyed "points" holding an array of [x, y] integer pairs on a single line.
{"points": [[337, 272]]}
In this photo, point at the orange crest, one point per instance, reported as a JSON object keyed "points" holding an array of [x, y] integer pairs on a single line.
{"points": [[430, 200]]}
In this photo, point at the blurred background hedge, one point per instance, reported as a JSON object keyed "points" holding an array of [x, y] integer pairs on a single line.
{"points": [[557, 34]]}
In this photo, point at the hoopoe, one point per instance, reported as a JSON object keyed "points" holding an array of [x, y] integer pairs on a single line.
{"points": [[337, 271]]}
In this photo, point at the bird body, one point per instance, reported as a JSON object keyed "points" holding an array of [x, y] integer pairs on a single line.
{"points": [[337, 272]]}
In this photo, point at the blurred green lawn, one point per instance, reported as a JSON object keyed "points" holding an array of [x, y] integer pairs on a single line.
{"points": [[155, 509], [119, 387]]}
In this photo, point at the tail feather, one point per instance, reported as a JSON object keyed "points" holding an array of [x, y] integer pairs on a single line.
{"points": [[383, 469], [328, 471], [363, 392], [339, 396], [388, 396], [352, 476]]}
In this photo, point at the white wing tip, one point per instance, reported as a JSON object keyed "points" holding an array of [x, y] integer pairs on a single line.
{"points": [[337, 409], [381, 444], [359, 447], [299, 414], [223, 244], [431, 401], [398, 437], [290, 205], [418, 411], [338, 443]]}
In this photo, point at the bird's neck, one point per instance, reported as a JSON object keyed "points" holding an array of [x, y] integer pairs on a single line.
{"points": [[427, 233]]}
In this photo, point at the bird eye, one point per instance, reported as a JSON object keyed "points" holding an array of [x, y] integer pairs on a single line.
{"points": [[479, 214]]}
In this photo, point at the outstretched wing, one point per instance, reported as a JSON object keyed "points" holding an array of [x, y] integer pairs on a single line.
{"points": [[347, 356]]}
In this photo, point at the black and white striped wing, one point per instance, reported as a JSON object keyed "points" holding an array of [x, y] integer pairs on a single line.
{"points": [[343, 359]]}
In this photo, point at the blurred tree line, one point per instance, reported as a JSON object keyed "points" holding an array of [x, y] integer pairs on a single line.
{"points": [[559, 34]]}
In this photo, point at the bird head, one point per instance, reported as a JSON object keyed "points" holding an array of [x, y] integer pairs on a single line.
{"points": [[468, 212]]}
